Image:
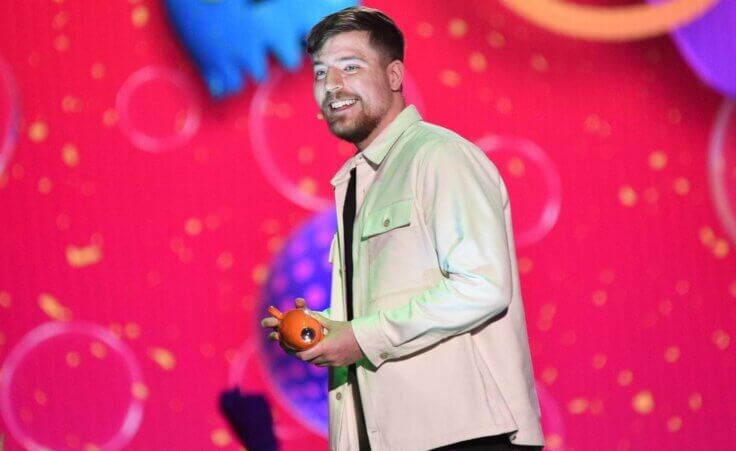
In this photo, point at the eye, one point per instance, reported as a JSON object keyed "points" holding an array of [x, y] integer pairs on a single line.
{"points": [[319, 74], [351, 68]]}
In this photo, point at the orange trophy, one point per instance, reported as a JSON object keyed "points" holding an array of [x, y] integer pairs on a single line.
{"points": [[298, 330]]}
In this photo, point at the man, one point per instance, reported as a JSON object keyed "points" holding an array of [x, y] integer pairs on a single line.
{"points": [[426, 338]]}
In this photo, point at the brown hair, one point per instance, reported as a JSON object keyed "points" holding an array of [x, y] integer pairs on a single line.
{"points": [[385, 36]]}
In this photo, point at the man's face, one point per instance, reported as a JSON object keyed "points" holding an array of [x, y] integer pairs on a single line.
{"points": [[351, 85]]}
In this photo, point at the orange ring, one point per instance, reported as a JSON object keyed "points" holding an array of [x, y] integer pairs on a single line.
{"points": [[609, 23]]}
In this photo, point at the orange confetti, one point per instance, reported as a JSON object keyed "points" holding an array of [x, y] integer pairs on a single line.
{"points": [[457, 28], [516, 167], [672, 354], [5, 300], [627, 196], [71, 104], [221, 437], [643, 402], [449, 78], [139, 390], [681, 186], [225, 261], [73, 359], [97, 349], [578, 406], [53, 308], [98, 71], [477, 62], [260, 274], [40, 397], [721, 339], [539, 63], [110, 117], [70, 155], [599, 298], [599, 361], [732, 289], [525, 265], [79, 257], [721, 248], [308, 185], [496, 40], [552, 441], [44, 185], [305, 154], [657, 160], [139, 16], [193, 226], [695, 402], [504, 105], [425, 29], [163, 357], [625, 377], [549, 375], [132, 330], [38, 131], [674, 423]]}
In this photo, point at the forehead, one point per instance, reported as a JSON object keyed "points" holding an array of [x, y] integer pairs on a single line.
{"points": [[346, 44]]}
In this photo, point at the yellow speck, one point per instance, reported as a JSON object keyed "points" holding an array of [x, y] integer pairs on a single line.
{"points": [[71, 104], [38, 131], [260, 274], [707, 236], [70, 155], [625, 377], [552, 441], [45, 185], [549, 375], [79, 257], [163, 357], [62, 43], [225, 261], [627, 196], [40, 397], [578, 406], [53, 308], [110, 117], [221, 437], [116, 329], [98, 71], [643, 402], [425, 29], [721, 248], [672, 354], [496, 40], [132, 330], [516, 167], [674, 423], [308, 185], [305, 154], [457, 28], [539, 63], [193, 226], [600, 297], [139, 390], [477, 62], [681, 186], [73, 359], [599, 361], [5, 300], [97, 349], [657, 160], [449, 78], [695, 402], [721, 339], [139, 16], [283, 110], [275, 244]]}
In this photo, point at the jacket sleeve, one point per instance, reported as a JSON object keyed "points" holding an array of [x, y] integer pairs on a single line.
{"points": [[462, 199]]}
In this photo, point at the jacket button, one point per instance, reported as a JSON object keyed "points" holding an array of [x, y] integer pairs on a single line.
{"points": [[386, 222], [338, 396], [384, 355]]}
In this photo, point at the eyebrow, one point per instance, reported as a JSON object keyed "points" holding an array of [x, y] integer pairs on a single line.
{"points": [[344, 58]]}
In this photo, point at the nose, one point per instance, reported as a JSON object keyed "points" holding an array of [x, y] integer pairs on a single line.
{"points": [[333, 81]]}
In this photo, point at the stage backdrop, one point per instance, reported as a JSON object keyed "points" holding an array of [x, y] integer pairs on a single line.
{"points": [[144, 226]]}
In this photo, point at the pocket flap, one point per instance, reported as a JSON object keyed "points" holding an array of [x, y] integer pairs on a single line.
{"points": [[333, 249], [387, 218]]}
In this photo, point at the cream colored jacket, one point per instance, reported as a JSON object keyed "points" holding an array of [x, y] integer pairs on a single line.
{"points": [[438, 309]]}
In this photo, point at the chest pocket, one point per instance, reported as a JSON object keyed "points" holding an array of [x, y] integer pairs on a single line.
{"points": [[390, 217]]}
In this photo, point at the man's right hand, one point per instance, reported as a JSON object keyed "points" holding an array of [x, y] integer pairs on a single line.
{"points": [[273, 323]]}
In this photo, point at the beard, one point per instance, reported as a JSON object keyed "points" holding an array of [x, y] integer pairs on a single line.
{"points": [[356, 131]]}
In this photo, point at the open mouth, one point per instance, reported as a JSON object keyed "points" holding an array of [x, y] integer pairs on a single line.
{"points": [[341, 105]]}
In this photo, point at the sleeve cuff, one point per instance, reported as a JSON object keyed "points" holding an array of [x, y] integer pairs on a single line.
{"points": [[370, 338]]}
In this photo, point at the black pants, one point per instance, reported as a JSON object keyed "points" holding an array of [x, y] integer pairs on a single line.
{"points": [[494, 443]]}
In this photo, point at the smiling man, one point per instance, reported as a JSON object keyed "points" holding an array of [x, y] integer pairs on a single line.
{"points": [[426, 339]]}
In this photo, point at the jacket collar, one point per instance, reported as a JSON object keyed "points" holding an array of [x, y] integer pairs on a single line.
{"points": [[378, 149]]}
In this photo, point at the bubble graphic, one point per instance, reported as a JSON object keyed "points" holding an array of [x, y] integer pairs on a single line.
{"points": [[288, 140], [158, 109], [533, 183], [9, 115], [722, 167], [78, 367], [299, 387]]}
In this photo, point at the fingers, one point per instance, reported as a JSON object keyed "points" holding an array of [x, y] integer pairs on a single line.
{"points": [[274, 336], [269, 322], [300, 303]]}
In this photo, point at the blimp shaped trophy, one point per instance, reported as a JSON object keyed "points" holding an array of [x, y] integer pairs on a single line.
{"points": [[298, 330]]}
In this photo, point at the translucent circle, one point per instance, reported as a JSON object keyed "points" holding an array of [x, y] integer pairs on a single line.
{"points": [[64, 374], [722, 167], [9, 114], [289, 141], [158, 109], [533, 183]]}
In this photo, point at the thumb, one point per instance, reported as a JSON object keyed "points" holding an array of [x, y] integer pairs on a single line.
{"points": [[324, 321]]}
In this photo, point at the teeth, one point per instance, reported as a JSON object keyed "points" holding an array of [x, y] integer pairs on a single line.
{"points": [[341, 103]]}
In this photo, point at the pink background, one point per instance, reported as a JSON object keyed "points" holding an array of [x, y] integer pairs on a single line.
{"points": [[147, 214]]}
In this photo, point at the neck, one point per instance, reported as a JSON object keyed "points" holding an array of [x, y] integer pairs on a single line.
{"points": [[397, 106]]}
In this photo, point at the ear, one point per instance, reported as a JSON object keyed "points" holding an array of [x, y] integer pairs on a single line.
{"points": [[395, 71]]}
